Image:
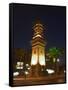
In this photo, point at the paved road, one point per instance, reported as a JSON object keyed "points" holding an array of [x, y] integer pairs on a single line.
{"points": [[39, 80]]}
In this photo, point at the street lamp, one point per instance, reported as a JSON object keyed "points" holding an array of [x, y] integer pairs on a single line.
{"points": [[27, 65], [26, 73], [58, 60], [28, 68]]}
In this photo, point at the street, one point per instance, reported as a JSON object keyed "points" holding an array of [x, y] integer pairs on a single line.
{"points": [[54, 79]]}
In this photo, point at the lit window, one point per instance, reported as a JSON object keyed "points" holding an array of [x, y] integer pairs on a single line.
{"points": [[19, 65]]}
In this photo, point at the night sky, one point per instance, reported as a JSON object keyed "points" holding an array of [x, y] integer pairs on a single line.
{"points": [[53, 18]]}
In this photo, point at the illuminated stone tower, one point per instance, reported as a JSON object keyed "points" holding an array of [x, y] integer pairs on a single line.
{"points": [[38, 49]]}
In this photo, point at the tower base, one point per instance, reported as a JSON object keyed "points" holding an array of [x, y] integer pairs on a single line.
{"points": [[37, 70]]}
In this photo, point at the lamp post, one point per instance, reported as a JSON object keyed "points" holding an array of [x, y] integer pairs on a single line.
{"points": [[26, 69], [57, 66], [26, 73]]}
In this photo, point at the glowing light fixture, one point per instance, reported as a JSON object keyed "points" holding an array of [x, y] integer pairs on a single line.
{"points": [[15, 73], [27, 65], [26, 72], [28, 68], [58, 60], [50, 71]]}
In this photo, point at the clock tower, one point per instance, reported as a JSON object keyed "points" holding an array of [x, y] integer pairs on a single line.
{"points": [[38, 49]]}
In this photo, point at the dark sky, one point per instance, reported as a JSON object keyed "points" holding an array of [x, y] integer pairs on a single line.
{"points": [[53, 18]]}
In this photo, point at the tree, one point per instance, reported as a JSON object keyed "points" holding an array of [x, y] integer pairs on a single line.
{"points": [[54, 53]]}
